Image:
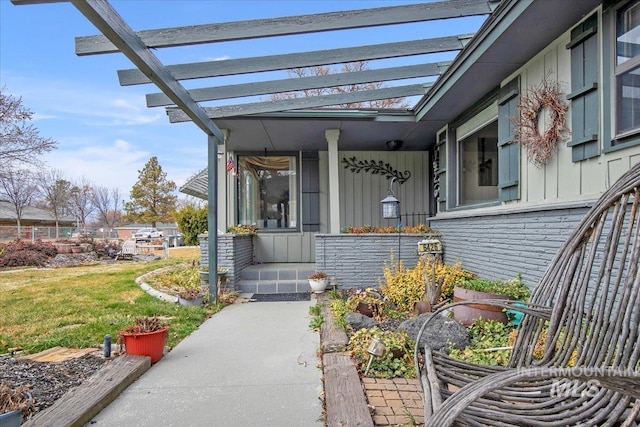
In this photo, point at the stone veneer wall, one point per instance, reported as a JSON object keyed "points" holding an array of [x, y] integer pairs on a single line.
{"points": [[357, 260], [235, 252]]}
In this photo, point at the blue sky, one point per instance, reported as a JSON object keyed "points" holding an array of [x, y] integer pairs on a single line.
{"points": [[105, 132]]}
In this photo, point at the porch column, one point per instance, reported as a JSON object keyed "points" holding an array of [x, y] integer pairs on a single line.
{"points": [[212, 213], [223, 199], [332, 136]]}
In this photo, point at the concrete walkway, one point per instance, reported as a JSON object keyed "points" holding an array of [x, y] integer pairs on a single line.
{"points": [[252, 364]]}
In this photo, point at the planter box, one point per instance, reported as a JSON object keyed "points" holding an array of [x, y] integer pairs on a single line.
{"points": [[467, 314], [357, 260]]}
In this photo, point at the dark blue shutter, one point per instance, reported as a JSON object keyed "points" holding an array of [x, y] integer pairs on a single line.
{"points": [[585, 117], [440, 171], [310, 192], [508, 149]]}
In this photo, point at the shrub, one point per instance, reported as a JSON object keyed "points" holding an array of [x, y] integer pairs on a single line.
{"points": [[397, 360], [363, 229], [191, 221], [339, 309], [512, 288], [21, 253], [242, 229], [403, 287], [488, 341], [448, 275]]}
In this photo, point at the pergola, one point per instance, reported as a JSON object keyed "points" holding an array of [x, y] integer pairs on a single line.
{"points": [[185, 105]]}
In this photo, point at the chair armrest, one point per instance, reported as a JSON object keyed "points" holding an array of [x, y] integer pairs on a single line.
{"points": [[619, 380]]}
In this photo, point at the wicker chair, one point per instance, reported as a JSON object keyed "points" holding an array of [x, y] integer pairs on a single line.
{"points": [[586, 313]]}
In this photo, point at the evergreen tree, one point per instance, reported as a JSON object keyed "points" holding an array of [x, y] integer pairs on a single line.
{"points": [[151, 197]]}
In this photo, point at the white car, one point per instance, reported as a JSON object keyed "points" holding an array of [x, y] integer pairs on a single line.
{"points": [[147, 234]]}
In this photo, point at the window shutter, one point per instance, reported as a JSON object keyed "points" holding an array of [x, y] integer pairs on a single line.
{"points": [[310, 192], [508, 151], [440, 172], [585, 117]]}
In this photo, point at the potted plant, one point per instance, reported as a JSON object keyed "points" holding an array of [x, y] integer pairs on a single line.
{"points": [[146, 337], [190, 296], [480, 289], [367, 302], [16, 405], [318, 281]]}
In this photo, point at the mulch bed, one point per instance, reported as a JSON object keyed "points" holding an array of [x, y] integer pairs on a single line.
{"points": [[48, 381]]}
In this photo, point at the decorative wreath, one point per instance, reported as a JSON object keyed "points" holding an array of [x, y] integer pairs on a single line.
{"points": [[533, 101]]}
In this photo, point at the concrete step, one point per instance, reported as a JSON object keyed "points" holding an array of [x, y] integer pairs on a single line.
{"points": [[273, 286]]}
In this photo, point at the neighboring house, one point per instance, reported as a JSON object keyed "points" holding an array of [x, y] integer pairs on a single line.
{"points": [[31, 216], [281, 164]]}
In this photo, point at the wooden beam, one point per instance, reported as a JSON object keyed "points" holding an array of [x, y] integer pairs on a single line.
{"points": [[177, 116], [107, 20], [303, 83], [302, 24], [301, 59]]}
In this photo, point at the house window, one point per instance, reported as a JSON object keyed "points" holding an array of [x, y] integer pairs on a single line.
{"points": [[627, 69], [268, 192], [478, 178]]}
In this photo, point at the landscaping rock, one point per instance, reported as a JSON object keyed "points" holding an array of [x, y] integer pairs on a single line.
{"points": [[441, 333], [359, 321]]}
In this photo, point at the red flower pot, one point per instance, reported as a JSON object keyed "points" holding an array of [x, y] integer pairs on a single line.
{"points": [[146, 344]]}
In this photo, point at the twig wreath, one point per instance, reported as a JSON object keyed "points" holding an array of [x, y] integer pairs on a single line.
{"points": [[533, 101]]}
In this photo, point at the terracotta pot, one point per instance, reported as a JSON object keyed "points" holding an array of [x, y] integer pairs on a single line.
{"points": [[364, 309], [467, 314], [421, 307], [146, 344], [76, 249]]}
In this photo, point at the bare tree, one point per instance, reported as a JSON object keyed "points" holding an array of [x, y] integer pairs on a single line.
{"points": [[56, 191], [20, 141], [19, 188], [81, 197], [107, 202], [349, 67]]}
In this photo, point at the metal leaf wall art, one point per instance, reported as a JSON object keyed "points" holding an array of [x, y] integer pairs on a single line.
{"points": [[376, 168]]}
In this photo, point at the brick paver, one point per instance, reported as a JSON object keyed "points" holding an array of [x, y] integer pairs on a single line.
{"points": [[395, 402]]}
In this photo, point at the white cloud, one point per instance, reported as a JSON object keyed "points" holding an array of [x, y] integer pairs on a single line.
{"points": [[115, 165], [217, 58]]}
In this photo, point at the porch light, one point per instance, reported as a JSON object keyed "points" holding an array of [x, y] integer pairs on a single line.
{"points": [[390, 205]]}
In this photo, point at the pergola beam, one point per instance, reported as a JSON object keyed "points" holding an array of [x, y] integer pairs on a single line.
{"points": [[178, 116], [228, 67], [301, 24], [304, 83], [108, 21]]}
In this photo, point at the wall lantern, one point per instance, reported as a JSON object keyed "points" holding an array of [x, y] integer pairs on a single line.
{"points": [[390, 205]]}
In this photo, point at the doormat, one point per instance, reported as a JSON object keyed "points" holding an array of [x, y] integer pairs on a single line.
{"points": [[294, 296]]}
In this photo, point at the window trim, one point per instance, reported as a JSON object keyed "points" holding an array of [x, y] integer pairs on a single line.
{"points": [[612, 140], [298, 156]]}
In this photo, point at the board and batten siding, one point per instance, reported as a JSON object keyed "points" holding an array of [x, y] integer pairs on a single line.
{"points": [[562, 179], [361, 193]]}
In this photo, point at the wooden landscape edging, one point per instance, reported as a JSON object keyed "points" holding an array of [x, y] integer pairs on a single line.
{"points": [[345, 401], [76, 407]]}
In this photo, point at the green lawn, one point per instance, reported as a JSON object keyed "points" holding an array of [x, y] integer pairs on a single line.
{"points": [[78, 306]]}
